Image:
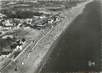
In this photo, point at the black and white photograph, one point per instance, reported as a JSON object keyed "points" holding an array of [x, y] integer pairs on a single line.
{"points": [[50, 36]]}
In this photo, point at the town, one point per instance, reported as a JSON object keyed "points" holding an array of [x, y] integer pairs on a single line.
{"points": [[44, 36], [9, 26]]}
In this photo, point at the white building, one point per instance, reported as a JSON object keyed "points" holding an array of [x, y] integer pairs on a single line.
{"points": [[7, 23]]}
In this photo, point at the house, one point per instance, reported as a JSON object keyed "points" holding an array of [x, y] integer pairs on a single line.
{"points": [[50, 21], [42, 17], [7, 23]]}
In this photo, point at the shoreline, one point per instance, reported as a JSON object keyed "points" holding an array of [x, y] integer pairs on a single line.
{"points": [[43, 48], [56, 40]]}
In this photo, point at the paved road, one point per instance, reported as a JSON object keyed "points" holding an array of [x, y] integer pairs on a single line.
{"points": [[79, 44]]}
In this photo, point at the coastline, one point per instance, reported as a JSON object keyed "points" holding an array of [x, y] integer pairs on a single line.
{"points": [[78, 9], [43, 48]]}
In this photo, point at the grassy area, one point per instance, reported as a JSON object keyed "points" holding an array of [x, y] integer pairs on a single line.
{"points": [[5, 43], [19, 6]]}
